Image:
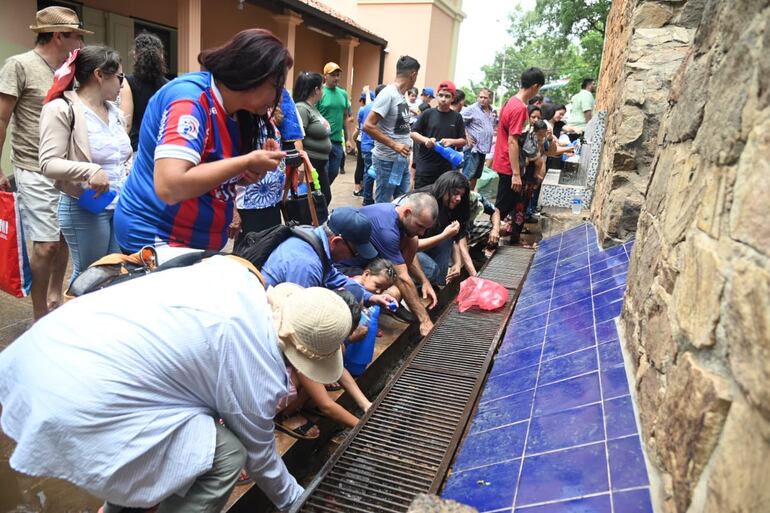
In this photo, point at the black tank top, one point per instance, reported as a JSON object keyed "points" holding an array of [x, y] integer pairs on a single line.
{"points": [[141, 92]]}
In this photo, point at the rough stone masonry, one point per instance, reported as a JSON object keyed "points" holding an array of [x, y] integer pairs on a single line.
{"points": [[686, 168]]}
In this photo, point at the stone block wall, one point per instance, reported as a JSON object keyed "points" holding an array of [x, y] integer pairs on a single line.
{"points": [[696, 318], [645, 44]]}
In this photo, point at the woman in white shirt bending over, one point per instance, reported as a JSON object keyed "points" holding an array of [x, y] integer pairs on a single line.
{"points": [[84, 147]]}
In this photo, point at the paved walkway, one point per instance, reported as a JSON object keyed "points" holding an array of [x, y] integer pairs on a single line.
{"points": [[555, 430]]}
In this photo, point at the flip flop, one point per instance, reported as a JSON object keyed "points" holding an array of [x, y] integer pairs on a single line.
{"points": [[299, 433], [333, 387]]}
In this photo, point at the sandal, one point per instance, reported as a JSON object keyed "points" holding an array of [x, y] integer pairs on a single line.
{"points": [[333, 387], [243, 478], [300, 432]]}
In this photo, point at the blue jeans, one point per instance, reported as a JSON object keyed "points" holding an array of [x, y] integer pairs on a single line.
{"points": [[392, 178], [368, 180], [335, 161], [435, 262], [89, 236], [471, 163]]}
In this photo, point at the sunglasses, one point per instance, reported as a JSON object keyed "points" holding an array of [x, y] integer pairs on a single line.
{"points": [[121, 77]]}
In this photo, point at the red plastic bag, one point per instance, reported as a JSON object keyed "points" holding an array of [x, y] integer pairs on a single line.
{"points": [[485, 294], [15, 273]]}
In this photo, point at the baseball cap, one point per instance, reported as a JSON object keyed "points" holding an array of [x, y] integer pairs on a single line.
{"points": [[449, 86], [331, 67], [311, 324], [428, 91], [355, 228]]}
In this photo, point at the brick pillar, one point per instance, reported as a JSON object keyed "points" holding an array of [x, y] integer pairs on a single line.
{"points": [[347, 53], [287, 32]]}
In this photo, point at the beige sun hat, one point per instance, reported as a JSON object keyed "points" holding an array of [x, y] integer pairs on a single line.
{"points": [[58, 19], [312, 323]]}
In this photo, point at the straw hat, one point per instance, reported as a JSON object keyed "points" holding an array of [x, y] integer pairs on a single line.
{"points": [[312, 323], [58, 19]]}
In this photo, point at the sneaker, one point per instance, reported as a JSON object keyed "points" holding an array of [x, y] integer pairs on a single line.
{"points": [[358, 194], [403, 315]]}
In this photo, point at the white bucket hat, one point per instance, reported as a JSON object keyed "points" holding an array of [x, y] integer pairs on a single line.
{"points": [[311, 323]]}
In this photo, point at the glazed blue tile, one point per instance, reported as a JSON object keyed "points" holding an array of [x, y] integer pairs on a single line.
{"points": [[516, 360], [608, 284], [605, 264], [532, 323], [595, 504], [610, 355], [567, 394], [632, 501], [614, 382], [569, 296], [563, 474], [579, 261], [576, 284], [568, 342], [603, 274], [609, 311], [567, 366], [606, 332], [575, 323], [517, 340], [501, 412], [566, 429], [619, 415], [570, 248], [559, 331], [615, 250], [491, 447], [561, 277], [533, 298], [485, 489], [627, 466], [606, 298], [509, 383], [531, 310], [563, 313]]}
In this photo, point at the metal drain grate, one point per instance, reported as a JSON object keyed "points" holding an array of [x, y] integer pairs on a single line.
{"points": [[406, 441]]}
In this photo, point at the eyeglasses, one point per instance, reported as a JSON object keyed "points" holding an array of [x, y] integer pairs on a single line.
{"points": [[121, 77], [350, 247]]}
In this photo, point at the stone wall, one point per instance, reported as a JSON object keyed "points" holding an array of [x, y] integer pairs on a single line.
{"points": [[645, 44], [696, 318]]}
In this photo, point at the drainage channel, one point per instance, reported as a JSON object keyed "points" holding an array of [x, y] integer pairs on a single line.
{"points": [[404, 444]]}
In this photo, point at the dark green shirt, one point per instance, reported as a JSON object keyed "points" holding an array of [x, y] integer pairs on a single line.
{"points": [[333, 106], [316, 142]]}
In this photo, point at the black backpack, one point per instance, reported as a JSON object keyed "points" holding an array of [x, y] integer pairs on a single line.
{"points": [[256, 247]]}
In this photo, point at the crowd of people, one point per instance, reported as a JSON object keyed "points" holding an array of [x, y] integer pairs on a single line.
{"points": [[163, 389]]}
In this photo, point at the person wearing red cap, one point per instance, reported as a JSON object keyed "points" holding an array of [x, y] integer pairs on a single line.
{"points": [[441, 125]]}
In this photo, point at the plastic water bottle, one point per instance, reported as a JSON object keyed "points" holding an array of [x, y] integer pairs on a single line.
{"points": [[358, 355], [577, 203], [453, 156]]}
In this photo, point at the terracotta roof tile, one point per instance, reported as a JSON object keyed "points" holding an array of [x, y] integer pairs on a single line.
{"points": [[331, 12]]}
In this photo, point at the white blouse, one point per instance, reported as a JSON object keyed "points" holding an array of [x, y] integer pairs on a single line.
{"points": [[110, 146]]}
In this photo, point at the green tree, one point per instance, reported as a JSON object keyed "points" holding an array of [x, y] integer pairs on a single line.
{"points": [[561, 37]]}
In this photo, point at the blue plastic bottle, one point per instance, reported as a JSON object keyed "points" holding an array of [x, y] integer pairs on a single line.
{"points": [[358, 355], [453, 156]]}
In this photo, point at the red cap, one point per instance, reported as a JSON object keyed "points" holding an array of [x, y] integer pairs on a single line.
{"points": [[448, 85]]}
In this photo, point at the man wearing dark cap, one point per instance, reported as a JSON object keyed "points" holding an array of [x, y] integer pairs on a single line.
{"points": [[24, 81], [345, 235], [426, 96], [441, 125]]}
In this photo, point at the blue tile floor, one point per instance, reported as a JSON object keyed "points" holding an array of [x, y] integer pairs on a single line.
{"points": [[555, 430]]}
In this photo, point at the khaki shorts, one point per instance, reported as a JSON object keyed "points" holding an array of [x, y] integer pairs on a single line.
{"points": [[39, 206]]}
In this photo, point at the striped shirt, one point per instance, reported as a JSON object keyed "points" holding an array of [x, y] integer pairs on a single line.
{"points": [[118, 391], [480, 125], [184, 120]]}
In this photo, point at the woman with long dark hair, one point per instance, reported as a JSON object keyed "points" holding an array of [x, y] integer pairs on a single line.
{"points": [[149, 76], [440, 245], [84, 145], [317, 144], [181, 189]]}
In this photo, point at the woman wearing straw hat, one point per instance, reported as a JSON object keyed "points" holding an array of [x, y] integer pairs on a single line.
{"points": [[130, 403]]}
